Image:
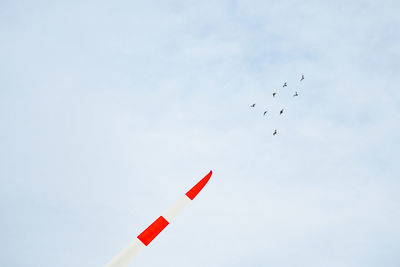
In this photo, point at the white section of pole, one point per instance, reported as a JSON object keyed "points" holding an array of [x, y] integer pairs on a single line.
{"points": [[173, 211], [127, 255]]}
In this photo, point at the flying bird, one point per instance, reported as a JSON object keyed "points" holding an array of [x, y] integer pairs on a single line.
{"points": [[265, 112], [284, 85], [302, 77], [280, 113], [295, 94], [253, 105], [273, 94], [275, 132]]}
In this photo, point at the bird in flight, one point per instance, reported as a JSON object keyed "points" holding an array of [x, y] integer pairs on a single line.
{"points": [[281, 112], [275, 132], [253, 105], [284, 85], [273, 94], [295, 94], [265, 112], [302, 77]]}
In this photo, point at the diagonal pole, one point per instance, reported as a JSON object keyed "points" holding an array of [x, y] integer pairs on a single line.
{"points": [[145, 238]]}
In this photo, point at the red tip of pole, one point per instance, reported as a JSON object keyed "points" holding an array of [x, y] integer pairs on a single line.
{"points": [[192, 193]]}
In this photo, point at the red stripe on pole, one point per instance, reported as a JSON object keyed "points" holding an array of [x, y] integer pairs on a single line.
{"points": [[153, 230], [192, 193]]}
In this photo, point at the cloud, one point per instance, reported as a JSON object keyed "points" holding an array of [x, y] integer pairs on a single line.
{"points": [[110, 111]]}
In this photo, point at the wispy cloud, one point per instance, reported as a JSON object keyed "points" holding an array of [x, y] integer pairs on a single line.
{"points": [[110, 110]]}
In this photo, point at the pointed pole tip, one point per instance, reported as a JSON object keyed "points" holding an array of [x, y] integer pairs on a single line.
{"points": [[192, 193]]}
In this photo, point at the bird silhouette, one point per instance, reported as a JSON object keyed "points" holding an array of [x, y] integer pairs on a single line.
{"points": [[275, 132], [284, 85], [265, 112], [273, 94], [302, 77], [253, 105], [281, 112], [295, 94]]}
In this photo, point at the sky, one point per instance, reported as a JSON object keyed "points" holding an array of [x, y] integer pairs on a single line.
{"points": [[111, 110]]}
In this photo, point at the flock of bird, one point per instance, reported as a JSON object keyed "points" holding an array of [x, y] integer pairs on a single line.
{"points": [[273, 95]]}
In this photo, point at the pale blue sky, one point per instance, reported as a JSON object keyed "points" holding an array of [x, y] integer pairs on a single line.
{"points": [[111, 110]]}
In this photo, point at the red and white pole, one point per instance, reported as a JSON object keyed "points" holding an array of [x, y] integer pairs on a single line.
{"points": [[145, 238]]}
